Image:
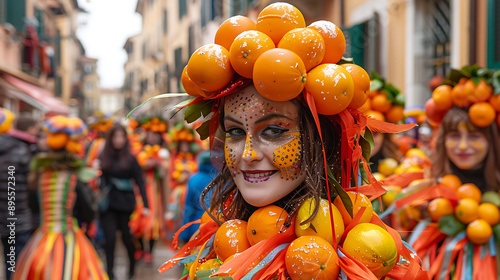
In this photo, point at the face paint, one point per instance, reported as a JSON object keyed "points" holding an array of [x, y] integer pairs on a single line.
{"points": [[262, 147], [289, 157], [466, 149]]}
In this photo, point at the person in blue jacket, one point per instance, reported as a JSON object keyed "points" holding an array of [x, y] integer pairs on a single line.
{"points": [[195, 186]]}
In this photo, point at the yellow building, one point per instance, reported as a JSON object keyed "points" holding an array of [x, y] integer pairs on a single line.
{"points": [[89, 85]]}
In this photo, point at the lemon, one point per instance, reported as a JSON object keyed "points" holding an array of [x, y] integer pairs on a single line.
{"points": [[321, 225], [387, 166]]}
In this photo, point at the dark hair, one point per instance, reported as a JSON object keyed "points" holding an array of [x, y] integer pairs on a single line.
{"points": [[111, 156], [24, 122], [453, 118], [313, 186]]}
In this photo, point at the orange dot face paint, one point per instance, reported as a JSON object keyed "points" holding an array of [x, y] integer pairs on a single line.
{"points": [[263, 149], [465, 148]]}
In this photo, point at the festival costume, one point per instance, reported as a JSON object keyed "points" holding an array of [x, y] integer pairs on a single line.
{"points": [[180, 163], [6, 118], [100, 123], [279, 74], [59, 249], [152, 226], [444, 242]]}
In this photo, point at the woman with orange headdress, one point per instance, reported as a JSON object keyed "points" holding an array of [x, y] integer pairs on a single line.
{"points": [[285, 134], [460, 234], [59, 249]]}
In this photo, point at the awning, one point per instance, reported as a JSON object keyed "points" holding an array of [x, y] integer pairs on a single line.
{"points": [[44, 98]]}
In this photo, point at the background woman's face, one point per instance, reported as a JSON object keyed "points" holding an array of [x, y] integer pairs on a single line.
{"points": [[262, 149], [465, 148], [153, 138], [119, 139]]}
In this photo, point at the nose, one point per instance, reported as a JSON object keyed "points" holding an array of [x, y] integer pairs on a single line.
{"points": [[249, 154], [462, 145]]}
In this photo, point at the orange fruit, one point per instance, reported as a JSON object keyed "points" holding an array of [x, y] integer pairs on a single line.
{"points": [[57, 140], [375, 114], [189, 86], [371, 94], [495, 102], [395, 114], [459, 95], [381, 103], [265, 222], [479, 231], [451, 181], [248, 46], [334, 40], [74, 147], [482, 92], [489, 212], [231, 28], [366, 106], [279, 74], [482, 114], [387, 166], [359, 200], [311, 257], [307, 43], [469, 190], [442, 97], [207, 62], [361, 81], [331, 87], [231, 238], [438, 208], [373, 246], [469, 89], [277, 19], [467, 210], [321, 224], [434, 115]]}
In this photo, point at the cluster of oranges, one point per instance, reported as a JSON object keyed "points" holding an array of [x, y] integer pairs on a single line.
{"points": [[183, 163], [477, 216], [283, 57], [484, 105], [155, 125], [311, 255], [415, 160], [101, 122], [65, 133], [149, 152], [6, 118], [384, 103], [182, 134]]}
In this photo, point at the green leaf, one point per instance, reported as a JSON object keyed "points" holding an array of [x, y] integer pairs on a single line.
{"points": [[377, 206], [389, 94], [346, 200], [496, 82], [345, 60], [85, 174], [376, 84], [450, 225], [369, 137], [476, 80], [198, 110], [400, 100], [455, 76], [496, 231], [365, 148], [204, 130]]}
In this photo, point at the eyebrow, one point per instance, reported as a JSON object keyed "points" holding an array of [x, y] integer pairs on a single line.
{"points": [[271, 116], [232, 119]]}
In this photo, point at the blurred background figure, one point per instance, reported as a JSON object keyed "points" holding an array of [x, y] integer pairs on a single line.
{"points": [[195, 186], [59, 247], [154, 161], [16, 145], [119, 167]]}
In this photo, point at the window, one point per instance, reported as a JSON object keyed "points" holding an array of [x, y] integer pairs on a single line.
{"points": [[15, 13], [204, 13], [493, 34], [88, 69], [144, 50], [216, 8], [182, 8], [165, 22]]}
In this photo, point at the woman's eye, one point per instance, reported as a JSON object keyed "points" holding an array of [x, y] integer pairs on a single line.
{"points": [[235, 133], [475, 136], [453, 135], [273, 132]]}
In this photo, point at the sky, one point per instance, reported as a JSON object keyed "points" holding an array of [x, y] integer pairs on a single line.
{"points": [[103, 32]]}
